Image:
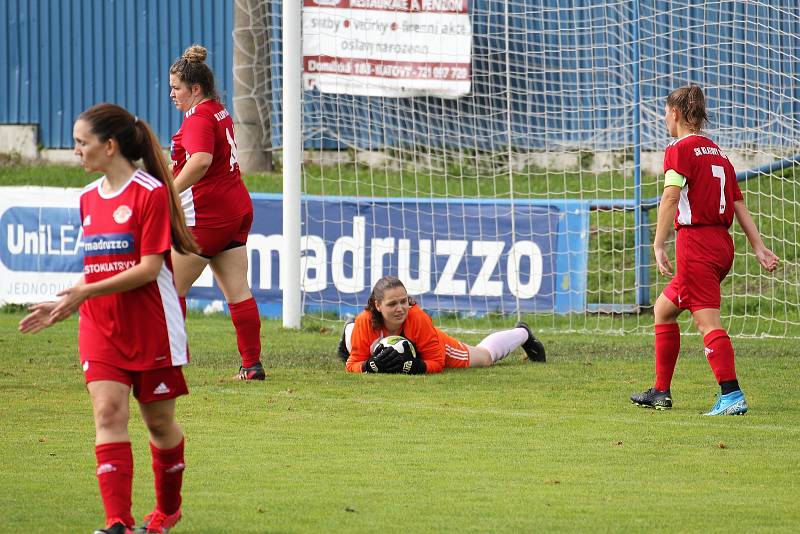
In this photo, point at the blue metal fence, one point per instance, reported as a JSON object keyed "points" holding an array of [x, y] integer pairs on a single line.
{"points": [[58, 57], [571, 63]]}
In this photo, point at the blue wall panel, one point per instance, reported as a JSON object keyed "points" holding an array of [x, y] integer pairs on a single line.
{"points": [[570, 60], [58, 57]]}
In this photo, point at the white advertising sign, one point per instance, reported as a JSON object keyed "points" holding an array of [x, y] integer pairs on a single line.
{"points": [[394, 48]]}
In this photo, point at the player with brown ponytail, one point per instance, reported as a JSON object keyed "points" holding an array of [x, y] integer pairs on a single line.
{"points": [[131, 335], [701, 198]]}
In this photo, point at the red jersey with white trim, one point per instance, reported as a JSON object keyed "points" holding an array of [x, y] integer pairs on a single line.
{"points": [[220, 194], [711, 188], [142, 328], [417, 328]]}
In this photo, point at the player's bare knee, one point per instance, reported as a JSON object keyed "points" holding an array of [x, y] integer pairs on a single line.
{"points": [[160, 425], [701, 326], [110, 416]]}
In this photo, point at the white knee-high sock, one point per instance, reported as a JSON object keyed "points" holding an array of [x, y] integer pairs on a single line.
{"points": [[501, 344], [348, 335]]}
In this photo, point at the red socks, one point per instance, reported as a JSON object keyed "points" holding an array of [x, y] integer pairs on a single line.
{"points": [[719, 353], [115, 478], [168, 470], [668, 346], [247, 323]]}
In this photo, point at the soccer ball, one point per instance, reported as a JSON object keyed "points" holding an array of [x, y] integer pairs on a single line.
{"points": [[400, 344]]}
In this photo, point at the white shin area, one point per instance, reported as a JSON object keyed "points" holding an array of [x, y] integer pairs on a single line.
{"points": [[501, 344]]}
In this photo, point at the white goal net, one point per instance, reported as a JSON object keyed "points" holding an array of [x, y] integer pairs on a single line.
{"points": [[504, 157]]}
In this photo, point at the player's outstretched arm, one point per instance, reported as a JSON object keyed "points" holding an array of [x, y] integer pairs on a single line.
{"points": [[765, 256], [38, 319], [41, 314], [666, 215]]}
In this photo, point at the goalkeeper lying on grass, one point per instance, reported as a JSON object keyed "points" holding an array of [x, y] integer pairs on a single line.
{"points": [[391, 312]]}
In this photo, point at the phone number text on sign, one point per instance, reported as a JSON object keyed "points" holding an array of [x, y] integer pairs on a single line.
{"points": [[387, 69]]}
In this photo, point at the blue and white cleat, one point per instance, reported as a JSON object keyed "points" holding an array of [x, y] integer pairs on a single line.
{"points": [[731, 404]]}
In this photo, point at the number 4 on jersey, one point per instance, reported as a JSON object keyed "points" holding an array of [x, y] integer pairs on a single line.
{"points": [[234, 161]]}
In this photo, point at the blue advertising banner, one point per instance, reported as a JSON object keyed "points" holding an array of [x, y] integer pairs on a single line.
{"points": [[453, 256], [43, 239], [472, 257]]}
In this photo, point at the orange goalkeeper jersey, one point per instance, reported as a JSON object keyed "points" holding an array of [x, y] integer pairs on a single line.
{"points": [[417, 328]]}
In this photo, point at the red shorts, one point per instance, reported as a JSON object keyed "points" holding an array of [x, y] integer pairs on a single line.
{"points": [[456, 353], [703, 257], [213, 240], [148, 386]]}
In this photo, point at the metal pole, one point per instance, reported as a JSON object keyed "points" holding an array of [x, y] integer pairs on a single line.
{"points": [[292, 160], [641, 233]]}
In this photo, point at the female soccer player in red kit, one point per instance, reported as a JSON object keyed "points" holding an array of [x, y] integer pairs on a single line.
{"points": [[701, 196], [215, 201], [390, 311], [131, 333]]}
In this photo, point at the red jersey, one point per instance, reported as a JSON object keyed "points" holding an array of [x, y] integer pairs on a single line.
{"points": [[142, 328], [220, 194], [417, 328], [711, 188]]}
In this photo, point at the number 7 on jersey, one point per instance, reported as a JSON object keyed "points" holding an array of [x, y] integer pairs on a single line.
{"points": [[719, 172]]}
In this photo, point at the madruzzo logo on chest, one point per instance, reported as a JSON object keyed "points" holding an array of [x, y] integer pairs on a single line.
{"points": [[122, 214], [108, 244]]}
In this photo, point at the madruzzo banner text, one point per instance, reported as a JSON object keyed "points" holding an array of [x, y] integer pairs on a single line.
{"points": [[472, 257]]}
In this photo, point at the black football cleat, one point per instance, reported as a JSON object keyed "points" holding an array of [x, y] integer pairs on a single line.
{"points": [[255, 372], [653, 398], [116, 528], [532, 346]]}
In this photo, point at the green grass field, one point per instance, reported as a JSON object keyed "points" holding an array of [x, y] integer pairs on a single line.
{"points": [[515, 448]]}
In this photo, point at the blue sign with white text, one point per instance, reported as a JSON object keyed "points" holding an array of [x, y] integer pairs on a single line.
{"points": [[41, 239], [472, 257]]}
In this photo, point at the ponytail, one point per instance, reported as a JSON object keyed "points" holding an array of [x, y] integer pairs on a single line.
{"points": [[154, 164]]}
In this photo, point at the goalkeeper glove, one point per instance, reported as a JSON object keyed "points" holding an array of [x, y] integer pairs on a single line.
{"points": [[388, 360], [414, 366]]}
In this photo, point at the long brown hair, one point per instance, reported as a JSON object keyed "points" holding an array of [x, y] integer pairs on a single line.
{"points": [[137, 141], [191, 69], [691, 103], [378, 291]]}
